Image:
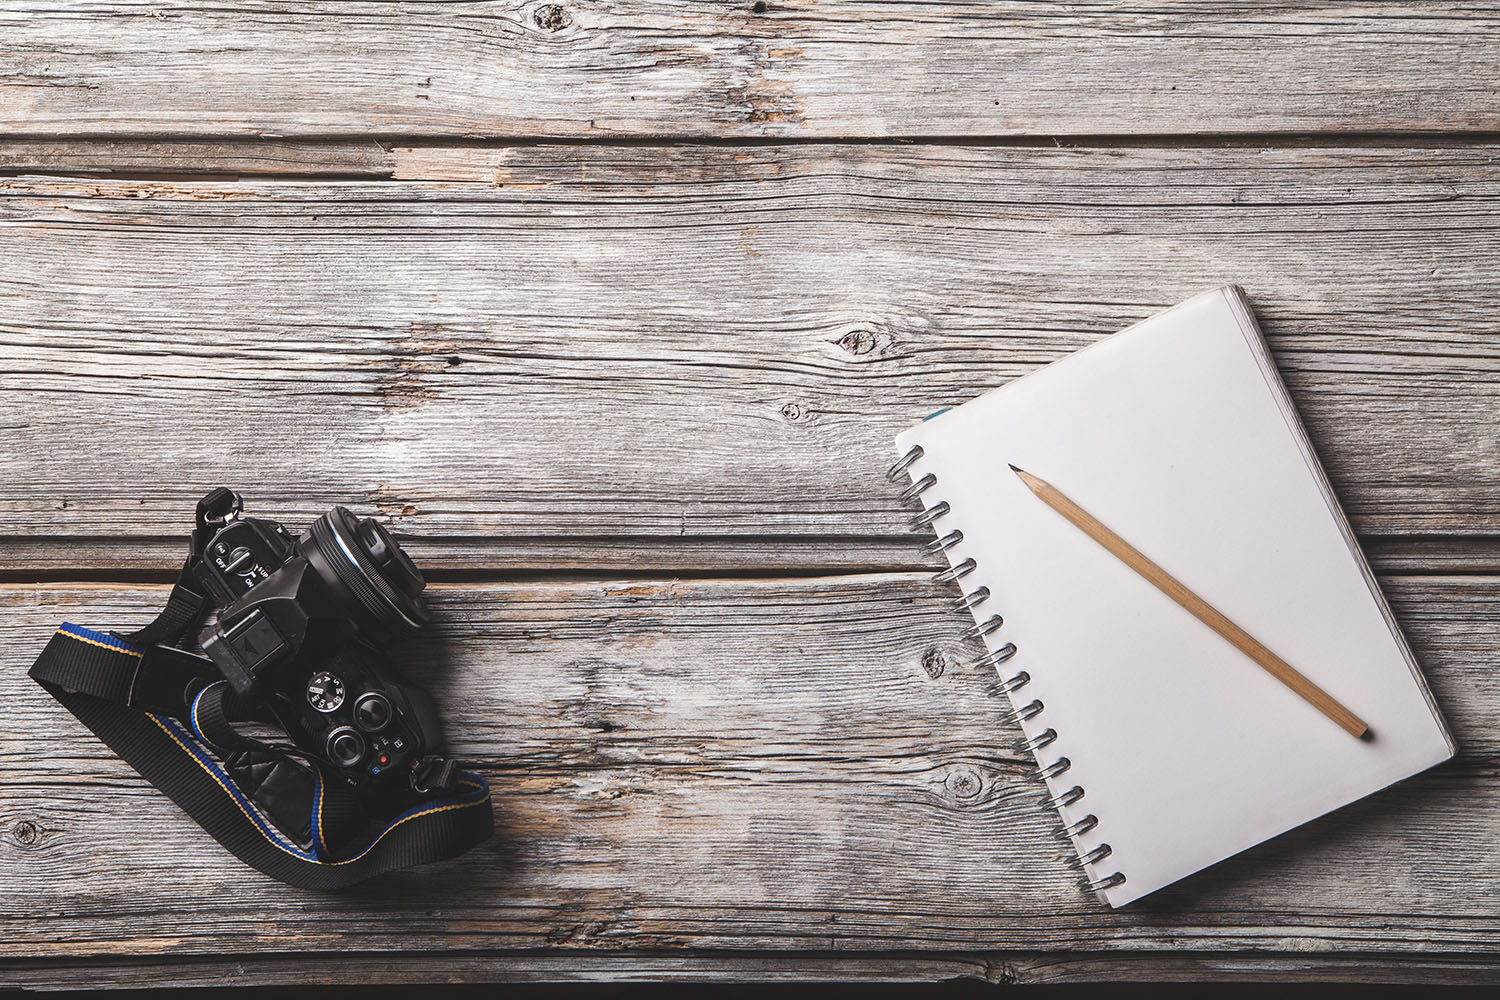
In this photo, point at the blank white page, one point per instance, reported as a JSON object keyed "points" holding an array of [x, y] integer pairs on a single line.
{"points": [[1178, 435]]}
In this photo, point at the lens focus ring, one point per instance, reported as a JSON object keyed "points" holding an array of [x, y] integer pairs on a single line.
{"points": [[390, 608]]}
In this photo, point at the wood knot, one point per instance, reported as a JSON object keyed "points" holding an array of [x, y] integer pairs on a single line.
{"points": [[760, 6], [26, 833], [795, 413], [934, 662], [1003, 973], [858, 341], [551, 17], [964, 783], [881, 337]]}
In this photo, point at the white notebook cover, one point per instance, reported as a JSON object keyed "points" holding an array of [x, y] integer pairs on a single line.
{"points": [[1177, 434]]}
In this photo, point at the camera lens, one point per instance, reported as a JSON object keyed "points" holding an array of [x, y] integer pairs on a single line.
{"points": [[368, 571], [372, 712], [345, 746]]}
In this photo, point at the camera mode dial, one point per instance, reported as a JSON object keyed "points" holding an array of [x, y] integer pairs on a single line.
{"points": [[325, 691]]}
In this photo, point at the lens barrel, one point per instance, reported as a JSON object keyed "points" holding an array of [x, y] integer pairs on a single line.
{"points": [[368, 571]]}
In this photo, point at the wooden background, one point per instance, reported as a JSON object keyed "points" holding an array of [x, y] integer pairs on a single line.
{"points": [[612, 310]]}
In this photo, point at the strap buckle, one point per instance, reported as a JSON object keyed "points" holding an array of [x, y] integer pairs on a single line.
{"points": [[434, 774]]}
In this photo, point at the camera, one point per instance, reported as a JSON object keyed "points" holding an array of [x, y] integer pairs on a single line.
{"points": [[300, 628], [262, 700]]}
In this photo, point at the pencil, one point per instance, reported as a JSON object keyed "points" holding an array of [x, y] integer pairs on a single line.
{"points": [[1197, 606]]}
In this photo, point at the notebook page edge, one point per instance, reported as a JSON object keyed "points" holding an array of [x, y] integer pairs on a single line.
{"points": [[1249, 328]]}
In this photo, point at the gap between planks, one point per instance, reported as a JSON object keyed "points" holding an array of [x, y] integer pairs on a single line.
{"points": [[168, 159], [581, 560], [707, 965]]}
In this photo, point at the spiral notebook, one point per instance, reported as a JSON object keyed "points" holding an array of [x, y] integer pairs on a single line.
{"points": [[1163, 748]]}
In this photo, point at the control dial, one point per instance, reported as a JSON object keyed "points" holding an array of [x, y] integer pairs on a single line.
{"points": [[372, 712], [345, 746], [325, 691]]}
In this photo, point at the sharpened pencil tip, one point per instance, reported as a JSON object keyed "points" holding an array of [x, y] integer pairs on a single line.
{"points": [[1013, 468]]}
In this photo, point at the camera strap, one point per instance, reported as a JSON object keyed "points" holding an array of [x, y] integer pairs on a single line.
{"points": [[138, 697]]}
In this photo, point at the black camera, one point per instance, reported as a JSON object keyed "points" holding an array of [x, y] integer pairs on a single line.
{"points": [[300, 627], [282, 728]]}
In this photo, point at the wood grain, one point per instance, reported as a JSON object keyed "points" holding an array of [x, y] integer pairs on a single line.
{"points": [[327, 253], [526, 557], [798, 765], [225, 159], [700, 343], [785, 68], [568, 966]]}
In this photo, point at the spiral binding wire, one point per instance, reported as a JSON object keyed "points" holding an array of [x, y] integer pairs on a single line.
{"points": [[966, 605]]}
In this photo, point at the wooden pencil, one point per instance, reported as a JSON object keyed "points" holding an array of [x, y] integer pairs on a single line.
{"points": [[1197, 606]]}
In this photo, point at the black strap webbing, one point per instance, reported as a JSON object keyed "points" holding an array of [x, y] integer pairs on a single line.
{"points": [[184, 607], [209, 717], [100, 678]]}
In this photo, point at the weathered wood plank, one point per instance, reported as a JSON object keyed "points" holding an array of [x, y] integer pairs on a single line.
{"points": [[157, 560], [736, 764], [780, 68], [158, 158], [1008, 968], [706, 343], [151, 560]]}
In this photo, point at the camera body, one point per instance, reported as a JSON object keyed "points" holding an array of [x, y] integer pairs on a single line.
{"points": [[300, 622]]}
